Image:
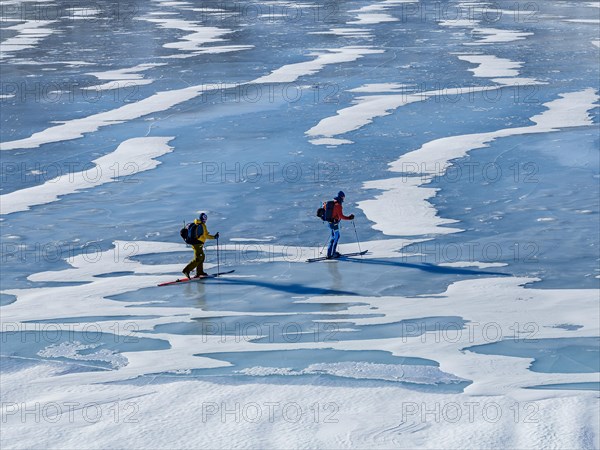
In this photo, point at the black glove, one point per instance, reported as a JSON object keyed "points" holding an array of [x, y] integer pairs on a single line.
{"points": [[351, 216], [217, 236]]}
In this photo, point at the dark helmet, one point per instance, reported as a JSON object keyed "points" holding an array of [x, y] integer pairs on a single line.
{"points": [[340, 196], [203, 217]]}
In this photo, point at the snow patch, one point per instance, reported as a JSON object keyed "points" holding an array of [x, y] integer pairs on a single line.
{"points": [[403, 209], [122, 77], [131, 157], [292, 72], [478, 264], [29, 34], [71, 350], [490, 66], [359, 370]]}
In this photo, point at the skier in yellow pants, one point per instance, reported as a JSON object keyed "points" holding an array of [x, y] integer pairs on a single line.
{"points": [[199, 238]]}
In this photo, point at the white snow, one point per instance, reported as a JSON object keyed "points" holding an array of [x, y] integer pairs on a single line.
{"points": [[131, 157], [198, 35], [490, 66], [76, 394], [291, 72], [162, 101], [345, 32], [375, 13], [363, 370], [76, 128], [586, 21], [380, 87], [119, 78], [367, 108], [478, 264], [493, 36], [29, 34], [280, 415], [403, 209], [199, 39], [72, 350], [460, 299], [504, 311]]}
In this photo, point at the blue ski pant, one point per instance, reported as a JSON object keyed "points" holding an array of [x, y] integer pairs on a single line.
{"points": [[333, 240]]}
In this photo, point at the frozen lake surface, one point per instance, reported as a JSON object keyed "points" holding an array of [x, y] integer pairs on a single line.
{"points": [[466, 138]]}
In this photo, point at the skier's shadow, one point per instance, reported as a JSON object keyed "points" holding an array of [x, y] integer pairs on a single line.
{"points": [[293, 288], [427, 267]]}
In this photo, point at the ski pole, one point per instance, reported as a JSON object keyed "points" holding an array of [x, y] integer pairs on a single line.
{"points": [[323, 248], [357, 241], [218, 269], [324, 245]]}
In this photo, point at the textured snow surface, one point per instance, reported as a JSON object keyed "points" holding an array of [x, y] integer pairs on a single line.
{"points": [[465, 136]]}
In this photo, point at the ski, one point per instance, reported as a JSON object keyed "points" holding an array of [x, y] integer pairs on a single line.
{"points": [[345, 255], [187, 280]]}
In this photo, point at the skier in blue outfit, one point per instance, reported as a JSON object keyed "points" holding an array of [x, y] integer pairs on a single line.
{"points": [[334, 226]]}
